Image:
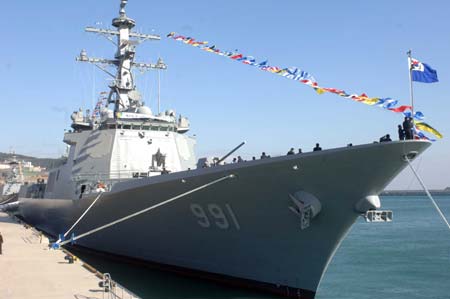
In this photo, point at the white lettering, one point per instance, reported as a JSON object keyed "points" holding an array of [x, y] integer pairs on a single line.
{"points": [[215, 215]]}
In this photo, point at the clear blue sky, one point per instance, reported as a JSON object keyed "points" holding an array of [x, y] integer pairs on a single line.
{"points": [[358, 46]]}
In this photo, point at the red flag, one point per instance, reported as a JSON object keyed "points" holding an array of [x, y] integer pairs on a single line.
{"points": [[400, 109]]}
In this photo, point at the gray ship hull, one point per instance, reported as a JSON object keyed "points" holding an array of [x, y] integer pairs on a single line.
{"points": [[240, 228]]}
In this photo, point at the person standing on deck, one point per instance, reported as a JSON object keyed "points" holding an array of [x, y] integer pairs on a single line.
{"points": [[401, 133], [408, 127]]}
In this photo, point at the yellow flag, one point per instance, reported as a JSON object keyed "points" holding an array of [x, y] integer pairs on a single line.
{"points": [[426, 127], [319, 90], [371, 101]]}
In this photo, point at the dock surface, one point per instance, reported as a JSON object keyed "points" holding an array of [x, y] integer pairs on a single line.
{"points": [[29, 269]]}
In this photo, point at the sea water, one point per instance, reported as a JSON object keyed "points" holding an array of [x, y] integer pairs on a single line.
{"points": [[404, 259]]}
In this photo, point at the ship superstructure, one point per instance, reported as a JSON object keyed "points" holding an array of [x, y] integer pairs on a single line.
{"points": [[128, 141], [131, 187], [14, 178]]}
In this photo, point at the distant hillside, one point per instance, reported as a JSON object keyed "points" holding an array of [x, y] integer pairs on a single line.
{"points": [[48, 163]]}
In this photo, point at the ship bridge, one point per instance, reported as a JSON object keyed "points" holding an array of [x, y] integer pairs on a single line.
{"points": [[128, 141]]}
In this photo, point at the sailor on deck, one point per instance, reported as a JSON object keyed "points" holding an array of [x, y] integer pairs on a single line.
{"points": [[401, 133], [385, 138], [408, 127]]}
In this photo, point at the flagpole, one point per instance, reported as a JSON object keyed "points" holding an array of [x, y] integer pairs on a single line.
{"points": [[159, 91], [411, 94]]}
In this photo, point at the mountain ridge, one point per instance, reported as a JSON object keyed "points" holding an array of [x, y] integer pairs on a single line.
{"points": [[48, 163]]}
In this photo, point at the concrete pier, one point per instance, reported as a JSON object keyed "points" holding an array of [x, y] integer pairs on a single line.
{"points": [[29, 269]]}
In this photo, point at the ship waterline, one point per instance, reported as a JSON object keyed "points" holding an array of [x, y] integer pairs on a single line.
{"points": [[243, 228]]}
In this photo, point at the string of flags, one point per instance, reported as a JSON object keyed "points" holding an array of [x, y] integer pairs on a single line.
{"points": [[99, 105], [299, 75]]}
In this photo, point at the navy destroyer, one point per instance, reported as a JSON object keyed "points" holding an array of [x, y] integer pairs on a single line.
{"points": [[133, 187]]}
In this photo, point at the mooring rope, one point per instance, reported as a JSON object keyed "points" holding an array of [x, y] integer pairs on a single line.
{"points": [[145, 210], [427, 192], [81, 217]]}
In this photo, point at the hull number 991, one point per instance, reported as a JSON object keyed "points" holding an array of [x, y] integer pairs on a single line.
{"points": [[215, 215]]}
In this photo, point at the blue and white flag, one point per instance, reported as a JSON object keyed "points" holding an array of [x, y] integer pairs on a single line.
{"points": [[422, 72]]}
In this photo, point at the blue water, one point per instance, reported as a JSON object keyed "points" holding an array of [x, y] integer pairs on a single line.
{"points": [[405, 259]]}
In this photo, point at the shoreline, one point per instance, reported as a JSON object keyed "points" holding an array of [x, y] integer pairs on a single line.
{"points": [[438, 192]]}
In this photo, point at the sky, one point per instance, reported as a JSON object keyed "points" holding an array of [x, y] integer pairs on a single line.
{"points": [[358, 46]]}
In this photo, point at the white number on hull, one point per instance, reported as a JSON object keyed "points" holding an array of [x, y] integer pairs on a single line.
{"points": [[200, 214], [219, 217], [216, 215]]}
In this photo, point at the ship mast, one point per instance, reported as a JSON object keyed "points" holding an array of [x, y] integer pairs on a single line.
{"points": [[123, 91]]}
